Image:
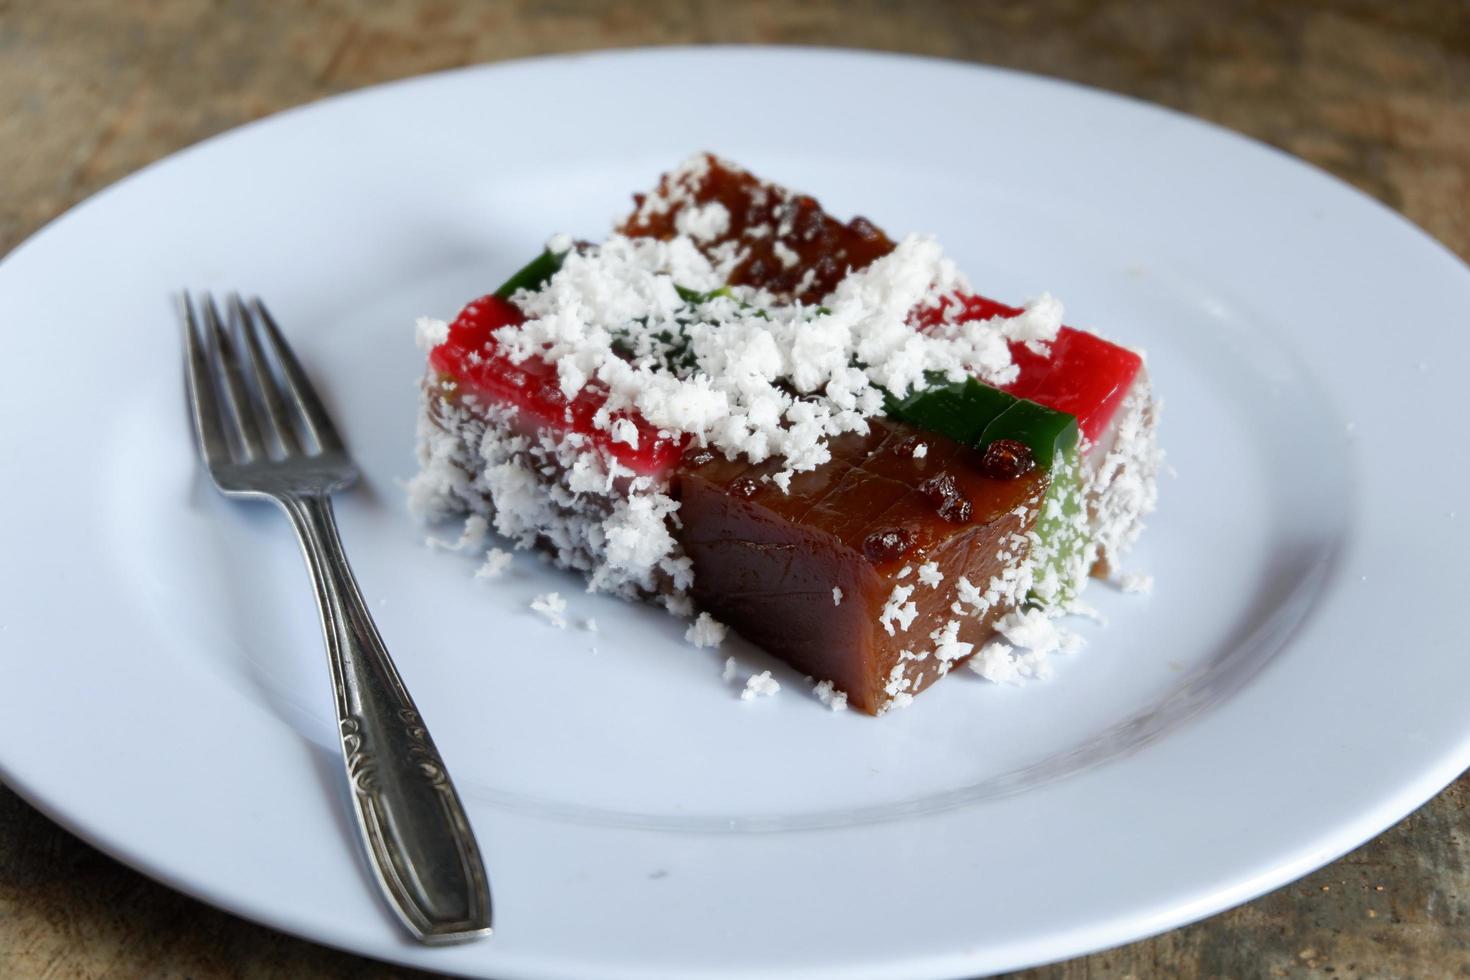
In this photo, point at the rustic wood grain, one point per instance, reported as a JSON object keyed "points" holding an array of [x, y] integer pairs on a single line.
{"points": [[1377, 93]]}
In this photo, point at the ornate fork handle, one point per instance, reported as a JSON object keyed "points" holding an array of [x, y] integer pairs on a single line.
{"points": [[408, 812]]}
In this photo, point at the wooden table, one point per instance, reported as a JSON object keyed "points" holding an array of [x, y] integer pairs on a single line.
{"points": [[1375, 92]]}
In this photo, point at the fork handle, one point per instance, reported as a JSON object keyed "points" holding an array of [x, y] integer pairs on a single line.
{"points": [[412, 823]]}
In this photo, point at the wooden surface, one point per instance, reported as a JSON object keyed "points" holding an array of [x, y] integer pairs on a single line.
{"points": [[1375, 92]]}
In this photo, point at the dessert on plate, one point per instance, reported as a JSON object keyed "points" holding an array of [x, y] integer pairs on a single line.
{"points": [[741, 406]]}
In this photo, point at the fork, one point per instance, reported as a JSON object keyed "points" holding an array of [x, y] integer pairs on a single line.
{"points": [[264, 433]]}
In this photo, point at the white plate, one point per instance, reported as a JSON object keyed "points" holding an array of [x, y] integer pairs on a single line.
{"points": [[1294, 685]]}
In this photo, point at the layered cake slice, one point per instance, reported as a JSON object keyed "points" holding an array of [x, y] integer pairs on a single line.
{"points": [[739, 405]]}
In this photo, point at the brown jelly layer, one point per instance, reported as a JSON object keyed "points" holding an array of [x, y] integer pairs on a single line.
{"points": [[766, 562], [761, 216]]}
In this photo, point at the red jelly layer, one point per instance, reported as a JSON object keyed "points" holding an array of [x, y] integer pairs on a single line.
{"points": [[1084, 376], [469, 356]]}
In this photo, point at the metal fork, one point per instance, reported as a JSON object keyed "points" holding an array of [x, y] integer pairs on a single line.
{"points": [[263, 432]]}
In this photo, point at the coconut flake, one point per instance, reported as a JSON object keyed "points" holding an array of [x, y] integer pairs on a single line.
{"points": [[948, 649], [429, 333], [496, 562], [828, 694], [471, 536], [623, 430], [898, 609], [706, 631], [761, 685], [995, 663], [703, 222], [757, 381], [1032, 637], [1137, 582], [552, 607]]}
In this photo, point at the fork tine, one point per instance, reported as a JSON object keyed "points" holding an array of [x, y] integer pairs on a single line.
{"points": [[299, 385], [204, 404], [275, 407], [241, 409]]}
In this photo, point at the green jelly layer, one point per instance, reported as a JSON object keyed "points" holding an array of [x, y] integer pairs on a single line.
{"points": [[695, 297], [1047, 431], [533, 275], [976, 414], [1062, 535]]}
